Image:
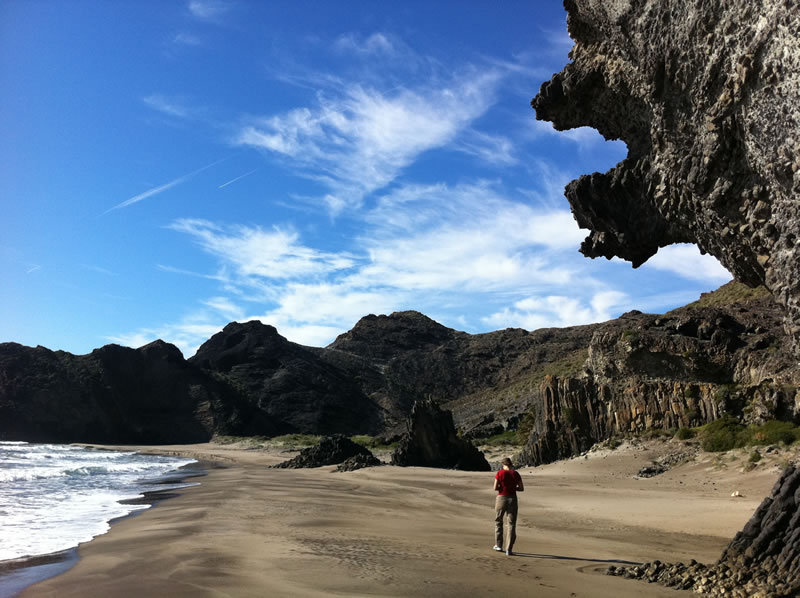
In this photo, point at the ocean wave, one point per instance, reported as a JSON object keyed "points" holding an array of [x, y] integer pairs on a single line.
{"points": [[54, 497]]}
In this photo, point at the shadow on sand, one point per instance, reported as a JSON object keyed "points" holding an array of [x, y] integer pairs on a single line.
{"points": [[574, 558]]}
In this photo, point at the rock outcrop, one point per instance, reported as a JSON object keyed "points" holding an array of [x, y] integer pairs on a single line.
{"points": [[359, 462], [681, 369], [762, 560], [432, 441], [706, 95], [331, 450], [292, 385], [117, 395]]}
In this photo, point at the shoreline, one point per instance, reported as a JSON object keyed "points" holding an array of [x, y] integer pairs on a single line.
{"points": [[16, 575], [249, 530]]}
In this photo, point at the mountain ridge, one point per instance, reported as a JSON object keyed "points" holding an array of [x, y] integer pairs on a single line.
{"points": [[574, 386]]}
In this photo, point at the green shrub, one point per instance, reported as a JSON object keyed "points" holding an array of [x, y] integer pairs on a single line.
{"points": [[755, 457], [507, 438], [685, 434], [724, 434], [613, 443], [773, 432], [372, 442]]}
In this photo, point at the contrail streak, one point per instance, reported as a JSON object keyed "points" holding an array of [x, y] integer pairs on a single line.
{"points": [[237, 178], [161, 188]]}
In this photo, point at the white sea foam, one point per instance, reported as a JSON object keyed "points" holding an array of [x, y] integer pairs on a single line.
{"points": [[53, 497]]}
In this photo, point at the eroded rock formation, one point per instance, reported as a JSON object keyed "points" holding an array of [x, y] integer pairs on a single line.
{"points": [[706, 95], [432, 441], [762, 560]]}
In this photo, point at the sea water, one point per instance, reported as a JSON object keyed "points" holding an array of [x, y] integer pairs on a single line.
{"points": [[53, 497]]}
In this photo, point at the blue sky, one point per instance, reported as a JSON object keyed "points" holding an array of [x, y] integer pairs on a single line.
{"points": [[169, 167]]}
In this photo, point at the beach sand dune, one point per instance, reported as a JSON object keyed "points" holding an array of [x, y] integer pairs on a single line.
{"points": [[248, 530]]}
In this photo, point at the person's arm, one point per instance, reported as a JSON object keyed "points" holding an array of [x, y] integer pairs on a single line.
{"points": [[495, 485], [520, 485]]}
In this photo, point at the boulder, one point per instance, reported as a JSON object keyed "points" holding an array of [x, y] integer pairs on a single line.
{"points": [[330, 451], [359, 462], [431, 441]]}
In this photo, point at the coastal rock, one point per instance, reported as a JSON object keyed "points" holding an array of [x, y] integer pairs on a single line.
{"points": [[331, 450], [706, 96], [115, 394], [762, 560], [431, 441], [359, 462]]}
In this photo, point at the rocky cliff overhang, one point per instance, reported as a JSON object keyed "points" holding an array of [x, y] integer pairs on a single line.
{"points": [[706, 95]]}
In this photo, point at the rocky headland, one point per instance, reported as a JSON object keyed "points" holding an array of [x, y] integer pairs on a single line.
{"points": [[565, 388]]}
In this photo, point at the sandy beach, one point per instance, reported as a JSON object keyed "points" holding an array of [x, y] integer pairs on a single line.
{"points": [[247, 530]]}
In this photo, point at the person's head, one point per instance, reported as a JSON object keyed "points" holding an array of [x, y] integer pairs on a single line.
{"points": [[507, 463]]}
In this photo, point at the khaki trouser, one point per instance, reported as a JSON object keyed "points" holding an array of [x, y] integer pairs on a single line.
{"points": [[505, 508]]}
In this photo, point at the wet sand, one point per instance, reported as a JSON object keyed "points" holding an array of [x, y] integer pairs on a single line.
{"points": [[248, 530]]}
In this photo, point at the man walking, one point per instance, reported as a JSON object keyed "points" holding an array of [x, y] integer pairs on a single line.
{"points": [[507, 483]]}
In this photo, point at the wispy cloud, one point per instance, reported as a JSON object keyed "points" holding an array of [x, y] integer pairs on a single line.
{"points": [[360, 139], [33, 269], [377, 43], [209, 10], [259, 253], [496, 150], [98, 269], [161, 188], [187, 39], [170, 106]]}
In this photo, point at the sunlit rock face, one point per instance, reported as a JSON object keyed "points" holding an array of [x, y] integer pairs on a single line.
{"points": [[706, 95]]}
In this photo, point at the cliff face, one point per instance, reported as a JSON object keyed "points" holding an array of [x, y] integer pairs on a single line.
{"points": [[681, 369], [706, 95], [114, 395], [293, 386]]}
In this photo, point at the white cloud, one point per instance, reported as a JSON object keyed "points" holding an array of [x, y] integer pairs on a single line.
{"points": [[557, 311], [254, 252], [208, 10], [377, 43], [187, 335], [225, 307], [360, 140], [491, 149], [169, 106], [686, 260], [187, 39], [585, 138]]}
